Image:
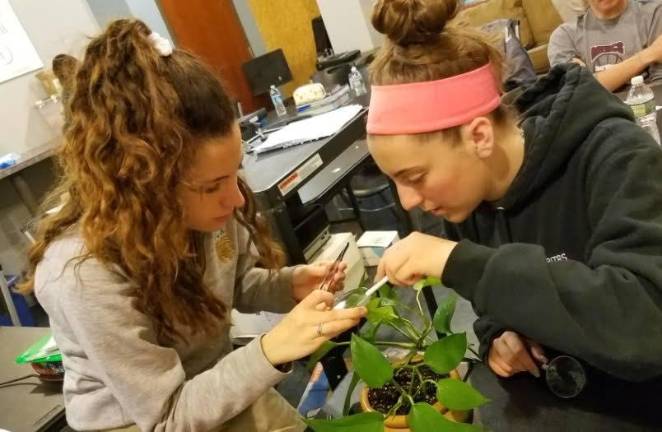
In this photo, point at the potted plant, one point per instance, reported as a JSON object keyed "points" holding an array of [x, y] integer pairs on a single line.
{"points": [[421, 392]]}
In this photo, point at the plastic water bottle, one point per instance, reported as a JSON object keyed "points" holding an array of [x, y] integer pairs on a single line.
{"points": [[277, 100], [8, 160], [642, 101], [356, 82]]}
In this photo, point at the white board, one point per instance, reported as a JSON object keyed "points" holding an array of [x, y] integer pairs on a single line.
{"points": [[17, 54]]}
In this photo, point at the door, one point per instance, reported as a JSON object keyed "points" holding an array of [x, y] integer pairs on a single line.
{"points": [[211, 29]]}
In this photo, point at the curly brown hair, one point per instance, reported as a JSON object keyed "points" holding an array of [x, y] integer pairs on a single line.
{"points": [[135, 118]]}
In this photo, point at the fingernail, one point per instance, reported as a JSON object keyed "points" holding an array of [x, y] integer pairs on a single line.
{"points": [[535, 373]]}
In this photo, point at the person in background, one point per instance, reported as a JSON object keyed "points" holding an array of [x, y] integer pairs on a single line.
{"points": [[614, 39], [64, 69], [570, 10], [157, 242], [552, 207]]}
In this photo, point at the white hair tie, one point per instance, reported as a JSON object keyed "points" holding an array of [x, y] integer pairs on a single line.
{"points": [[160, 44]]}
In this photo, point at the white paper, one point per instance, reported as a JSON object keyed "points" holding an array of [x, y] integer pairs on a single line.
{"points": [[314, 128], [382, 239], [17, 54], [248, 326]]}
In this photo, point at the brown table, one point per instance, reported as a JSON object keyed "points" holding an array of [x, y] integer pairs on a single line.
{"points": [[28, 405]]}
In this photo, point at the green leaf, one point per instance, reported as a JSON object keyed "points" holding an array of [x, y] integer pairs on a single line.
{"points": [[319, 353], [424, 418], [365, 422], [458, 395], [374, 303], [428, 281], [378, 314], [444, 314], [388, 302], [353, 299], [369, 331], [348, 396], [446, 354], [388, 292], [369, 363]]}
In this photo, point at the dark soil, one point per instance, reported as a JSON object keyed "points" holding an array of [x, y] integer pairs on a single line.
{"points": [[384, 398]]}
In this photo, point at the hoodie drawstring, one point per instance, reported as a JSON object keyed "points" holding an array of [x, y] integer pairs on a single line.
{"points": [[503, 228]]}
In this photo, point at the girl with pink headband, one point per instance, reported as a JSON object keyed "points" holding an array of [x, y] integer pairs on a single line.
{"points": [[552, 208]]}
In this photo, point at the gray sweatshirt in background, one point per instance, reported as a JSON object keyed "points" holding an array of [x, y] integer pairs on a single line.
{"points": [[118, 373], [600, 43]]}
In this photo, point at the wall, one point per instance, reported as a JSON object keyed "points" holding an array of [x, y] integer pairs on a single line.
{"points": [[106, 11], [376, 38], [147, 10], [22, 125], [14, 215], [250, 27], [348, 25], [290, 29]]}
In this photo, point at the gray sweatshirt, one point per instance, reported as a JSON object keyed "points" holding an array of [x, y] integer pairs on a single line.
{"points": [[117, 373]]}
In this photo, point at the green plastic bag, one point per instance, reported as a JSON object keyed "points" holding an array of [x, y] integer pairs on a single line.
{"points": [[42, 351]]}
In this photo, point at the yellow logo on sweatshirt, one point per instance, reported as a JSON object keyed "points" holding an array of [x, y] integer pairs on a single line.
{"points": [[224, 247]]}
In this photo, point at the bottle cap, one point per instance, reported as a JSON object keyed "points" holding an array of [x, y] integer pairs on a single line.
{"points": [[639, 79]]}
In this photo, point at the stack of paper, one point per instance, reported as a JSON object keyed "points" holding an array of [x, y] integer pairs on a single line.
{"points": [[314, 128]]}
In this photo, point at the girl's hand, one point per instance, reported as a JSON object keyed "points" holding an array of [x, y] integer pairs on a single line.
{"points": [[510, 354], [307, 326], [307, 278], [414, 257]]}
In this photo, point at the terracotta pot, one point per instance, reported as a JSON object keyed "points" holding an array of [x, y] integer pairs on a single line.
{"points": [[398, 423]]}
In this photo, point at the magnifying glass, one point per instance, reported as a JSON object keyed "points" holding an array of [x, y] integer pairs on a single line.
{"points": [[565, 376]]}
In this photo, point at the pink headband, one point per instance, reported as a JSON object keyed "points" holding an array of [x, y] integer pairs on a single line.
{"points": [[432, 105]]}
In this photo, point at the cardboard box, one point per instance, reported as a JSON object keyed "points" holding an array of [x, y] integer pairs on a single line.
{"points": [[372, 245]]}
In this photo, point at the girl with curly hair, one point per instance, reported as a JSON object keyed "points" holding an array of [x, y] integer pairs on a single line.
{"points": [[157, 240]]}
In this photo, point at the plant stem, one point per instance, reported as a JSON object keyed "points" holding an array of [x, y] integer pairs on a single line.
{"points": [[401, 390], [420, 379], [394, 409], [406, 308], [473, 351], [418, 302], [420, 343], [384, 343], [348, 396], [414, 369], [403, 332], [396, 344], [411, 327], [470, 368], [420, 387], [420, 375], [411, 400]]}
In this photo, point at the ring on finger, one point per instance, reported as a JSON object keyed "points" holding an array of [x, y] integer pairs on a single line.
{"points": [[320, 330]]}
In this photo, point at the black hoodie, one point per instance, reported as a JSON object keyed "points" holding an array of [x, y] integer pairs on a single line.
{"points": [[571, 257]]}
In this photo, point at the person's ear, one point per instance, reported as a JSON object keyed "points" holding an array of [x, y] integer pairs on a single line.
{"points": [[478, 137]]}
